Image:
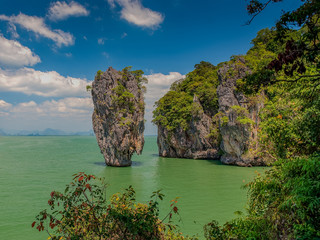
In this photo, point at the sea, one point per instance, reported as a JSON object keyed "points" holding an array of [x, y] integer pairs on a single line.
{"points": [[32, 167]]}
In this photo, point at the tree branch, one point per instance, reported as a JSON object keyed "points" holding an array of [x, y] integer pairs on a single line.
{"points": [[316, 77], [265, 5]]}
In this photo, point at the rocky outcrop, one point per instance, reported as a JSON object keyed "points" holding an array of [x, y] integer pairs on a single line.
{"points": [[118, 116], [228, 130], [239, 119], [194, 142]]}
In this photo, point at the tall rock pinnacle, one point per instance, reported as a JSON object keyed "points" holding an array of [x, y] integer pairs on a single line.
{"points": [[118, 115]]}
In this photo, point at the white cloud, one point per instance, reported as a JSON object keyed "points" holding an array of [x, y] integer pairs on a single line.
{"points": [[65, 107], [12, 53], [101, 41], [62, 10], [68, 114], [134, 12], [46, 84], [12, 30], [4, 107], [37, 25]]}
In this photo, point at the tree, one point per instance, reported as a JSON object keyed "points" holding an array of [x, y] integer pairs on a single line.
{"points": [[282, 204], [83, 212], [300, 59]]}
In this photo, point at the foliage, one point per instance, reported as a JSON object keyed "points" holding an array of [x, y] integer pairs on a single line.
{"points": [[242, 115], [300, 52], [122, 98], [99, 74], [173, 110], [284, 203], [138, 75], [82, 212], [176, 108], [287, 126], [88, 88]]}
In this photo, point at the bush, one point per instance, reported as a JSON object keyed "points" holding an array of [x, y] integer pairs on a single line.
{"points": [[82, 212], [284, 203]]}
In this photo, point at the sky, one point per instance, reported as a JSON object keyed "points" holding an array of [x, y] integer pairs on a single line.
{"points": [[50, 51]]}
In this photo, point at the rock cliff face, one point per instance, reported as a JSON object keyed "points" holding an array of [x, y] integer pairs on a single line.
{"points": [[118, 116], [228, 131], [239, 119], [195, 142]]}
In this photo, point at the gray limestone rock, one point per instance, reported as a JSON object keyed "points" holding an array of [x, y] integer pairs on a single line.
{"points": [[239, 119], [118, 116], [195, 142]]}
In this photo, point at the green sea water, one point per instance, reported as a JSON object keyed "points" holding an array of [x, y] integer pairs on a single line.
{"points": [[31, 167]]}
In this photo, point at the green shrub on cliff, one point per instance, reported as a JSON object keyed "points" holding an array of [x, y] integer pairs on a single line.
{"points": [[122, 98], [176, 107], [284, 203]]}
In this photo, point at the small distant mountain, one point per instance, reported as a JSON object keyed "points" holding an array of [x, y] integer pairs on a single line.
{"points": [[52, 132], [2, 133], [46, 132]]}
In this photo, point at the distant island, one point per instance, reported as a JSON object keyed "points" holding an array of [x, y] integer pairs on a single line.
{"points": [[45, 132]]}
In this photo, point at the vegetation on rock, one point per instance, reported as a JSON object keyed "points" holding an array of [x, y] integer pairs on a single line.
{"points": [[176, 108], [283, 203]]}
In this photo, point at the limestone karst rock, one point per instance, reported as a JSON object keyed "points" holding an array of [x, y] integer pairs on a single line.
{"points": [[118, 115], [194, 142], [239, 127], [226, 130]]}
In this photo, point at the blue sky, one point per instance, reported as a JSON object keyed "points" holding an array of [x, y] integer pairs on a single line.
{"points": [[50, 50]]}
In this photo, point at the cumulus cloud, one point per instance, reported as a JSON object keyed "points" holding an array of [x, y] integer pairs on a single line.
{"points": [[12, 53], [4, 104], [4, 107], [62, 10], [46, 84], [133, 12], [37, 25], [61, 108], [12, 30], [68, 114]]}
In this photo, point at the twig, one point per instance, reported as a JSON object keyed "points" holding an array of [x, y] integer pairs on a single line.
{"points": [[265, 5]]}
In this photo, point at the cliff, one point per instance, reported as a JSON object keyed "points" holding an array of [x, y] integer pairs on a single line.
{"points": [[194, 142], [118, 116], [184, 116], [239, 117], [222, 123]]}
